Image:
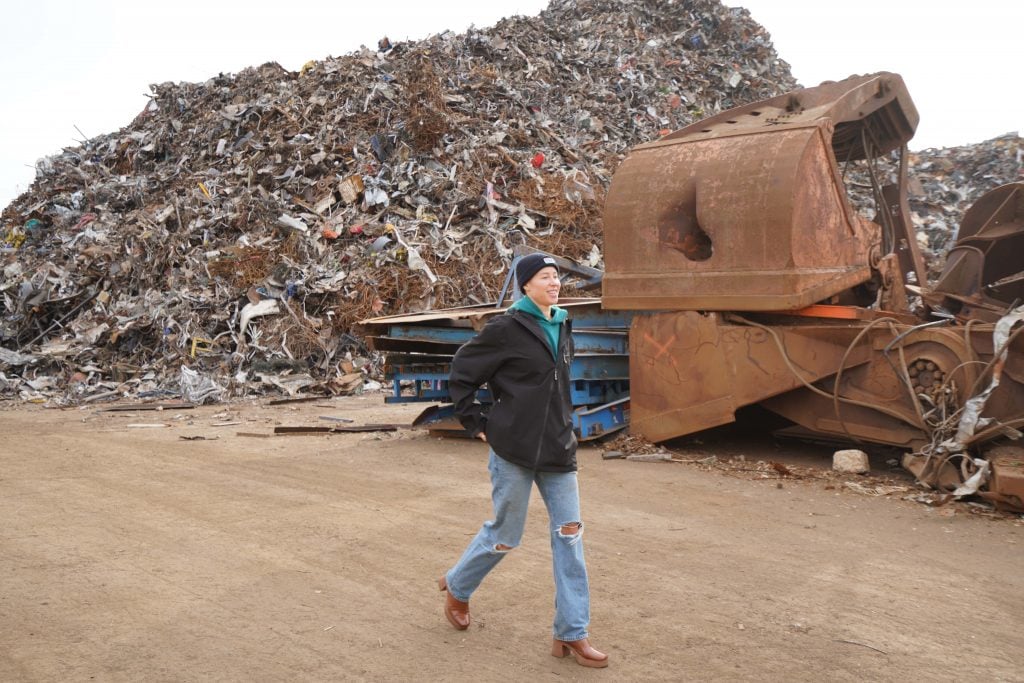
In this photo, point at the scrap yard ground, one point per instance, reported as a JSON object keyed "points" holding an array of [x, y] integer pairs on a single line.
{"points": [[129, 553]]}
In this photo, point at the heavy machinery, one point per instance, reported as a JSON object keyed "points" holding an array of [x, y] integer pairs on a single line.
{"points": [[746, 276], [763, 285]]}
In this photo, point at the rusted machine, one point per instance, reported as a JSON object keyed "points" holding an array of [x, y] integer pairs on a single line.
{"points": [[759, 282]]}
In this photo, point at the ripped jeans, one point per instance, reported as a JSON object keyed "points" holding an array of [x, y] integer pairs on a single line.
{"points": [[511, 487]]}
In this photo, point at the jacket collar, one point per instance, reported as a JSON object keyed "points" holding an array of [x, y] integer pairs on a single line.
{"points": [[527, 305], [533, 325]]}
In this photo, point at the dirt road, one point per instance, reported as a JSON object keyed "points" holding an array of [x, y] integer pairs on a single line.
{"points": [[128, 553]]}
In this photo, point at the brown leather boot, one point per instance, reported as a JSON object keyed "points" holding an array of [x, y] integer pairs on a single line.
{"points": [[455, 611], [582, 650]]}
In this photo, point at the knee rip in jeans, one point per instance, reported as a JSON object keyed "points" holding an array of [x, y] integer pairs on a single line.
{"points": [[501, 548], [571, 531]]}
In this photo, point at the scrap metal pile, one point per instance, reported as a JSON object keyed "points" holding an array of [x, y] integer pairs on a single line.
{"points": [[946, 182], [225, 241]]}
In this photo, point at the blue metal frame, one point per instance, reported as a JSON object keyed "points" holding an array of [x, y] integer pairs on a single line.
{"points": [[445, 335], [589, 392], [603, 366], [601, 420], [586, 340], [595, 341], [600, 319], [599, 373], [425, 390]]}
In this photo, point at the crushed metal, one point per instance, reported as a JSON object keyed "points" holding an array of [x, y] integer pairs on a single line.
{"points": [[240, 226]]}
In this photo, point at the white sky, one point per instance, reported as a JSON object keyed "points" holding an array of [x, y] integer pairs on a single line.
{"points": [[88, 63]]}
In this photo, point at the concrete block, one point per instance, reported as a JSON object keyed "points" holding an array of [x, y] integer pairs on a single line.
{"points": [[851, 460]]}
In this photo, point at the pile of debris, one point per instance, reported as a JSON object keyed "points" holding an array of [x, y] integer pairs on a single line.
{"points": [[945, 182], [226, 240], [892, 483], [224, 243]]}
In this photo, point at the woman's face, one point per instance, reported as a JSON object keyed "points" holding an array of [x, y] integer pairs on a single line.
{"points": [[544, 286]]}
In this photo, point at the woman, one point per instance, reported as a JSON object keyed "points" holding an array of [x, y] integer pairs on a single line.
{"points": [[523, 357]]}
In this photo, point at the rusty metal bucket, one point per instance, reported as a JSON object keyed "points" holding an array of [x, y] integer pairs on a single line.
{"points": [[747, 211]]}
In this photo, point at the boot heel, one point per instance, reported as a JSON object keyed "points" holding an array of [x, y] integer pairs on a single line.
{"points": [[581, 651]]}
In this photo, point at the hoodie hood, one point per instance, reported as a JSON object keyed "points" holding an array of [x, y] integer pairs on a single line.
{"points": [[526, 305], [552, 328]]}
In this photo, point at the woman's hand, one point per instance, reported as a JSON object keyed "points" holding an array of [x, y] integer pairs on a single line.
{"points": [[482, 437]]}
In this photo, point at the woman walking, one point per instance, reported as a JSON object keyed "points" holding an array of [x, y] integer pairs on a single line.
{"points": [[524, 357]]}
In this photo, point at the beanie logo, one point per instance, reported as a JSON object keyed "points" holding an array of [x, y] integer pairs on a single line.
{"points": [[550, 261]]}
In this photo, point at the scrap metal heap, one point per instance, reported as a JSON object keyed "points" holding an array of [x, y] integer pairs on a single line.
{"points": [[225, 241], [761, 284], [236, 229]]}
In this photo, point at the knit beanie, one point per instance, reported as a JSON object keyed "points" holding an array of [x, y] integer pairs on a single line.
{"points": [[529, 265]]}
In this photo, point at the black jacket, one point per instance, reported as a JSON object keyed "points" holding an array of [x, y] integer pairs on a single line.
{"points": [[530, 421]]}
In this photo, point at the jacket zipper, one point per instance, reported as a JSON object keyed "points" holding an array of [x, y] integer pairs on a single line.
{"points": [[544, 424], [547, 407]]}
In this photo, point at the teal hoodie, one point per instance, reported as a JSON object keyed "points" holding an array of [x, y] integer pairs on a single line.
{"points": [[552, 328]]}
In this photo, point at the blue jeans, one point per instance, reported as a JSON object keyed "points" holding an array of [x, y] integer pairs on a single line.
{"points": [[511, 487]]}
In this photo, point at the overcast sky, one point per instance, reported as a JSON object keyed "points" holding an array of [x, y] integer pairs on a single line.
{"points": [[68, 66]]}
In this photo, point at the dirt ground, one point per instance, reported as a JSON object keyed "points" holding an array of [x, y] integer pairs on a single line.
{"points": [[130, 553]]}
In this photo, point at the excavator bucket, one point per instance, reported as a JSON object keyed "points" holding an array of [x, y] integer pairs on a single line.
{"points": [[747, 211]]}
